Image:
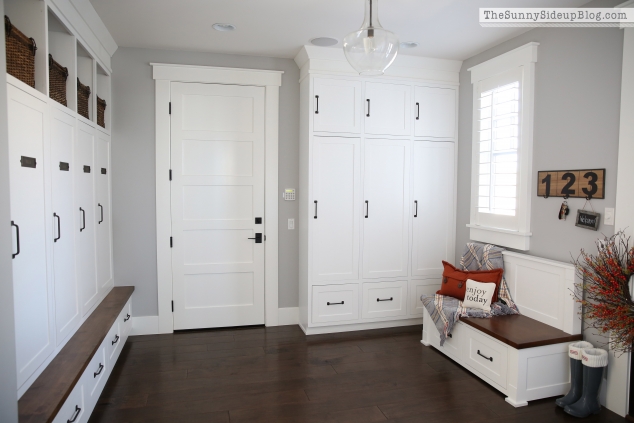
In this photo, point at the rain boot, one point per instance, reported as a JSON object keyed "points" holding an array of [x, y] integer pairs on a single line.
{"points": [[594, 360], [576, 374]]}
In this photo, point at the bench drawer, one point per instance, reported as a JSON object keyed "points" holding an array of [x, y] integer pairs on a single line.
{"points": [[335, 303], [74, 409], [95, 376], [113, 343], [384, 299], [485, 356], [453, 344], [125, 320]]}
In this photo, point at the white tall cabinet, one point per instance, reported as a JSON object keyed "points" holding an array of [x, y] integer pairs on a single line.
{"points": [[377, 189]]}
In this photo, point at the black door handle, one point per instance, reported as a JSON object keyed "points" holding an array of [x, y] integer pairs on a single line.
{"points": [[367, 208], [59, 227], [315, 210], [17, 237], [317, 110], [101, 213], [83, 212], [329, 303], [417, 111], [127, 317], [487, 358], [258, 238], [385, 299], [99, 370], [415, 208], [116, 339], [75, 415], [368, 114]]}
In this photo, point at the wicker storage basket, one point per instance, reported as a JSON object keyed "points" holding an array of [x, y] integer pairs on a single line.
{"points": [[20, 54], [83, 97], [57, 76], [101, 112]]}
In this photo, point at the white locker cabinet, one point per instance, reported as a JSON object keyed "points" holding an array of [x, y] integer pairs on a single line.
{"points": [[433, 173], [102, 211], [85, 217], [435, 114], [337, 105], [387, 108], [34, 325], [386, 214], [336, 190], [62, 170]]}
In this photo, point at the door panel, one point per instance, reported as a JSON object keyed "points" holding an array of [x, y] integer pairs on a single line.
{"points": [[435, 112], [217, 192], [67, 310], [337, 192], [433, 216], [387, 109], [386, 215], [102, 212], [337, 105]]}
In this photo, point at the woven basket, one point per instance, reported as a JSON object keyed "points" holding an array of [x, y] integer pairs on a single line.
{"points": [[20, 54], [57, 76], [101, 112], [83, 96]]}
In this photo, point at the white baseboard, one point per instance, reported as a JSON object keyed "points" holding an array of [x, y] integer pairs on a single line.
{"points": [[316, 330], [145, 325], [288, 316]]}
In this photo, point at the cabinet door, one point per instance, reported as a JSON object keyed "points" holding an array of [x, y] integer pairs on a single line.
{"points": [[387, 109], [336, 207], [67, 311], [435, 112], [386, 213], [102, 211], [85, 217], [34, 326], [337, 105], [433, 207]]}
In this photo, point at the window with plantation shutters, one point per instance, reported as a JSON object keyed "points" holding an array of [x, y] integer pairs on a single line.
{"points": [[503, 90]]}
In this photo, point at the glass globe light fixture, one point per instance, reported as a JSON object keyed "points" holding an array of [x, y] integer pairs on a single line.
{"points": [[371, 49]]}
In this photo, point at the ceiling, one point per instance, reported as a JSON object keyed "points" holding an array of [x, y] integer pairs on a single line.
{"points": [[447, 29]]}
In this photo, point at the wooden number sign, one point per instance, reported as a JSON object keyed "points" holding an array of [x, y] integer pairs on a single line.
{"points": [[571, 183]]}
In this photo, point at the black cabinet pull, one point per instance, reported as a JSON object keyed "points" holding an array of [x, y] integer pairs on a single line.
{"points": [[315, 210], [116, 339], [17, 237], [83, 212], [368, 114], [127, 317], [75, 415], [485, 357], [329, 303], [450, 335], [317, 110], [415, 208], [59, 227], [367, 208], [257, 238], [99, 370], [385, 299], [417, 111], [100, 206]]}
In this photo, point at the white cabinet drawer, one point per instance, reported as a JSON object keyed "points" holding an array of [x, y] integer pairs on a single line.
{"points": [[113, 343], [453, 344], [125, 320], [335, 303], [95, 376], [384, 299], [485, 356], [74, 409], [418, 288]]}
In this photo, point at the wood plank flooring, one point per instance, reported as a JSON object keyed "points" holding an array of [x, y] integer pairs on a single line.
{"points": [[259, 374]]}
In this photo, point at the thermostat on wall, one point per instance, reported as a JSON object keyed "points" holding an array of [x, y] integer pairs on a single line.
{"points": [[289, 194]]}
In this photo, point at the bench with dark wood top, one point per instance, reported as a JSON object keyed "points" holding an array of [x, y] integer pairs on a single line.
{"points": [[520, 331], [42, 401]]}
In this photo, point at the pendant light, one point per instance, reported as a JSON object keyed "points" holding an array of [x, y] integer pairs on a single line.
{"points": [[371, 49]]}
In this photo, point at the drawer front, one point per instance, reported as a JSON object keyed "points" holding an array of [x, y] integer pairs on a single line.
{"points": [[95, 376], [335, 303], [418, 288], [125, 319], [384, 299], [485, 356], [453, 344], [113, 343], [74, 409]]}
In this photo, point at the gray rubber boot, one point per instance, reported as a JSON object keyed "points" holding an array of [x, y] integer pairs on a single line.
{"points": [[576, 374], [594, 360]]}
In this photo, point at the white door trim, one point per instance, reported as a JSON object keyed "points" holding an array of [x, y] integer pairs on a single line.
{"points": [[163, 75]]}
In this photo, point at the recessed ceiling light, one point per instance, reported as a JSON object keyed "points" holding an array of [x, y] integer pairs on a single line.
{"points": [[223, 27], [324, 41], [409, 44]]}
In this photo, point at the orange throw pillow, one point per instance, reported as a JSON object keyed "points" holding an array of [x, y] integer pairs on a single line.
{"points": [[454, 281]]}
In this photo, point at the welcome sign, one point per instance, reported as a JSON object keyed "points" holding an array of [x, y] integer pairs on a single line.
{"points": [[588, 219]]}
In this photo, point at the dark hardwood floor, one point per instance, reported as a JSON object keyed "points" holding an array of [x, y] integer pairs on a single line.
{"points": [[259, 374]]}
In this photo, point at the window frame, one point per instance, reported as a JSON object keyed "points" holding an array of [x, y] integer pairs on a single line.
{"points": [[496, 229]]}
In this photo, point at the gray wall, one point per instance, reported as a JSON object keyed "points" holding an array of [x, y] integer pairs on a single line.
{"points": [[133, 167], [577, 106]]}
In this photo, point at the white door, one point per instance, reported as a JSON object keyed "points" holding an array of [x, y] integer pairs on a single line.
{"points": [[217, 194], [28, 130], [102, 212], [433, 207], [387, 109], [67, 311], [386, 212], [337, 105], [435, 114], [336, 193], [85, 222]]}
